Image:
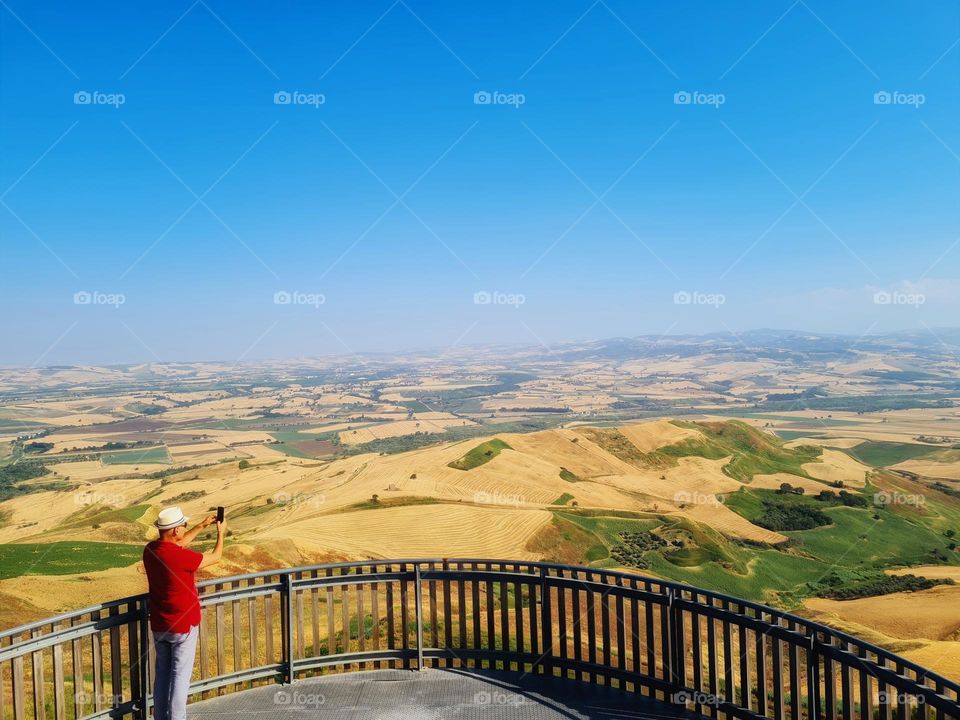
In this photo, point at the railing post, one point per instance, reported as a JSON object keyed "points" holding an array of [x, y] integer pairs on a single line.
{"points": [[669, 659], [286, 623], [546, 623], [813, 680], [419, 611], [143, 666]]}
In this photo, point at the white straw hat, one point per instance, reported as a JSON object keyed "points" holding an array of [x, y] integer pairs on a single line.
{"points": [[170, 517]]}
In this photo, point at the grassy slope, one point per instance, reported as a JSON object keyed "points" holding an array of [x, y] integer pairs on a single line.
{"points": [[751, 451], [64, 557], [482, 453], [99, 515], [884, 454]]}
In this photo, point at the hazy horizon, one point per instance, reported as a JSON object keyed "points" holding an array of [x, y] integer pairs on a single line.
{"points": [[936, 336], [207, 180]]}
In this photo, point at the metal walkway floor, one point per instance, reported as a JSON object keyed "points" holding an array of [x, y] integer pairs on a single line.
{"points": [[433, 695]]}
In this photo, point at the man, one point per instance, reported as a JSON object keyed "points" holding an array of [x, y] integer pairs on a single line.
{"points": [[175, 606]]}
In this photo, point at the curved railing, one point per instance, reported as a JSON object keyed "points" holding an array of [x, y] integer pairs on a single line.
{"points": [[718, 655]]}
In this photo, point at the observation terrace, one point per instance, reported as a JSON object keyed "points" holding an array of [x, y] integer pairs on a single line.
{"points": [[471, 638]]}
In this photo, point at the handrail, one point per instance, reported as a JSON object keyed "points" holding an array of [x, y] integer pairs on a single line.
{"points": [[717, 654]]}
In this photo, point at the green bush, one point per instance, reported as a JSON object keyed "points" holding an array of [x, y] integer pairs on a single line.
{"points": [[779, 516]]}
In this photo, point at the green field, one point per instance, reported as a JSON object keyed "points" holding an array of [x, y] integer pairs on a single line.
{"points": [[568, 476], [481, 454], [138, 457], [289, 450], [885, 454], [64, 558], [13, 424], [794, 434]]}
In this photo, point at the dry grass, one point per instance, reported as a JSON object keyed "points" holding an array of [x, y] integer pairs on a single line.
{"points": [[650, 436], [934, 572], [837, 466], [420, 531], [928, 614]]}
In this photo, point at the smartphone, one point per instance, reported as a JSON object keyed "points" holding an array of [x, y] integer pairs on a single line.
{"points": [[220, 514]]}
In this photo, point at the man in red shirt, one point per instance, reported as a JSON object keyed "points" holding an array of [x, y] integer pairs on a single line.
{"points": [[175, 606]]}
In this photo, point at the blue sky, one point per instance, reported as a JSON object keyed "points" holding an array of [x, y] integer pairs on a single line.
{"points": [[587, 197]]}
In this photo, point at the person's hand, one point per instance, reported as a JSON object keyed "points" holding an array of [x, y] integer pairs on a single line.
{"points": [[221, 527], [208, 521]]}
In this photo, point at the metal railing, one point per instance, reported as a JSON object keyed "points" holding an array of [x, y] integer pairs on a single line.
{"points": [[718, 655]]}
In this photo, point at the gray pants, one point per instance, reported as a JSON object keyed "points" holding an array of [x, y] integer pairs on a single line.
{"points": [[175, 653]]}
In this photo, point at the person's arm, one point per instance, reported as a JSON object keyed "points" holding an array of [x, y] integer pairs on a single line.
{"points": [[213, 557], [190, 535]]}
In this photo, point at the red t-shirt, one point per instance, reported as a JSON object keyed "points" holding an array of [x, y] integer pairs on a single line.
{"points": [[174, 604]]}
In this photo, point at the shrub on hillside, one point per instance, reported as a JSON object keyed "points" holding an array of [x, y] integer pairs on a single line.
{"points": [[838, 589], [778, 516]]}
